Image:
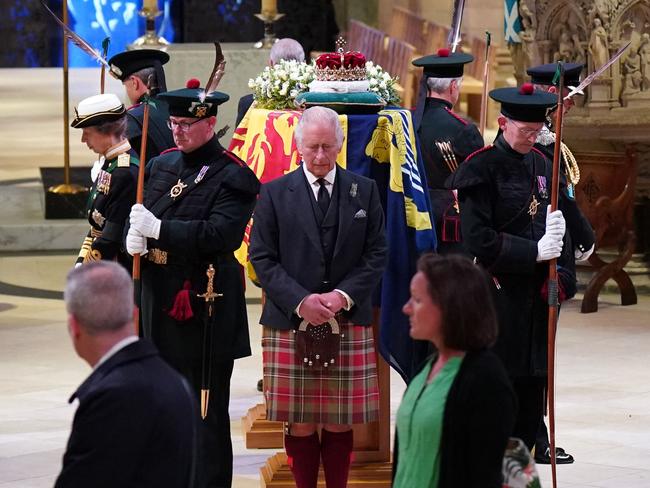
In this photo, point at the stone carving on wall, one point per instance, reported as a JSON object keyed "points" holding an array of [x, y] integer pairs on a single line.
{"points": [[590, 32]]}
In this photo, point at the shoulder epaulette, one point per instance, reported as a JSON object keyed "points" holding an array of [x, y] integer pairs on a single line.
{"points": [[456, 116], [171, 149], [489, 146], [235, 159]]}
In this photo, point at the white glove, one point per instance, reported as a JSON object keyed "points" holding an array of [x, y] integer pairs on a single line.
{"points": [[97, 166], [76, 265], [136, 243], [549, 247], [583, 256], [144, 221], [555, 223]]}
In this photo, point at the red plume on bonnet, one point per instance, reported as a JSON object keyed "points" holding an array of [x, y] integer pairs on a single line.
{"points": [[192, 83], [443, 52], [527, 89]]}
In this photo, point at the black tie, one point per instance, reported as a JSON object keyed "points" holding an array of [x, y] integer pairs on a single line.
{"points": [[323, 196]]}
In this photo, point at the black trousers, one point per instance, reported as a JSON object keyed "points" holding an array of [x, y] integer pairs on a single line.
{"points": [[214, 469], [530, 396]]}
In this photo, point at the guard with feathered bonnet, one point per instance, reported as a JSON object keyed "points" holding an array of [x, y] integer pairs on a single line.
{"points": [[504, 191], [102, 119], [198, 200], [141, 72]]}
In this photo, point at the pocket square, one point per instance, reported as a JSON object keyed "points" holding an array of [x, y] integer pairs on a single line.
{"points": [[361, 214]]}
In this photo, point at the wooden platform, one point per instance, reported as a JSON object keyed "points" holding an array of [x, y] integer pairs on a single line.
{"points": [[260, 433], [276, 474]]}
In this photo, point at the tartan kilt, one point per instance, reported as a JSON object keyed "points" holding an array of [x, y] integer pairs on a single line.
{"points": [[345, 394]]}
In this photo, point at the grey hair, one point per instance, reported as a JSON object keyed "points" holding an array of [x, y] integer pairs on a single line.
{"points": [[115, 127], [146, 75], [286, 49], [100, 296], [440, 85], [319, 115]]}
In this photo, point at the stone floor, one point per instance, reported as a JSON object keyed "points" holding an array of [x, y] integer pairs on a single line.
{"points": [[603, 380]]}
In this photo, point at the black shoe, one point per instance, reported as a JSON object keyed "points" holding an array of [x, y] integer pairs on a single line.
{"points": [[260, 387], [561, 456]]}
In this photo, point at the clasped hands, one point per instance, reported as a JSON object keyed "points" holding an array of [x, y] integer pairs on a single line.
{"points": [[318, 308], [144, 224]]}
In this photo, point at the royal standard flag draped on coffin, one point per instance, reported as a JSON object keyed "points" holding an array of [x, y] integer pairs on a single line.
{"points": [[380, 146]]}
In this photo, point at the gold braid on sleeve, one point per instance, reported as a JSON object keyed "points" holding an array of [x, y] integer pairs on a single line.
{"points": [[571, 165]]}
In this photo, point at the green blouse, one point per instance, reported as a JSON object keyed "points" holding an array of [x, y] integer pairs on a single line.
{"points": [[419, 426]]}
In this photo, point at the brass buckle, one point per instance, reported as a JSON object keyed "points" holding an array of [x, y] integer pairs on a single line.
{"points": [[157, 256]]}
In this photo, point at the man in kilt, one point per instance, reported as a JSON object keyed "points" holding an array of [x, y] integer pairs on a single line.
{"points": [[318, 248]]}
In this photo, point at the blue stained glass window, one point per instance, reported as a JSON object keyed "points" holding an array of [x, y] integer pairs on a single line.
{"points": [[95, 20]]}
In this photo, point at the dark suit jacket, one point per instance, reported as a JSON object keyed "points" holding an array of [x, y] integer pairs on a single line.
{"points": [[286, 250], [135, 425], [245, 103]]}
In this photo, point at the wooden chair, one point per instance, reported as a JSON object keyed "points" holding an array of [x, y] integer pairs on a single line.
{"points": [[397, 59], [605, 194], [365, 39]]}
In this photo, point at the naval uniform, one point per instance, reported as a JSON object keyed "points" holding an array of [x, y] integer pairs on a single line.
{"points": [[503, 197], [109, 203], [204, 200]]}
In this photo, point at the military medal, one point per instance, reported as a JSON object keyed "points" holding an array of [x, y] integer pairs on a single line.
{"points": [[103, 182], [532, 209], [201, 174], [353, 190], [98, 218], [571, 191], [541, 187], [177, 189]]}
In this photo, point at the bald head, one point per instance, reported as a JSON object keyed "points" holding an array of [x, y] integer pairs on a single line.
{"points": [[286, 49]]}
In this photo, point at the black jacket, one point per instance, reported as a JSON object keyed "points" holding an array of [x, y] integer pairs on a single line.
{"points": [[479, 418], [287, 254], [159, 136], [109, 203], [203, 225], [136, 425], [495, 189], [441, 124]]}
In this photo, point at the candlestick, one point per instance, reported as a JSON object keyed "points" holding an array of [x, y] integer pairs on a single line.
{"points": [[268, 18], [150, 39]]}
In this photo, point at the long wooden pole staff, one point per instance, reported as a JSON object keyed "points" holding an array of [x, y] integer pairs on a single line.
{"points": [[139, 198], [486, 83], [553, 303], [102, 76]]}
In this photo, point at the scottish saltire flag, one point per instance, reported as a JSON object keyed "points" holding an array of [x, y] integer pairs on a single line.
{"points": [[512, 21], [380, 146]]}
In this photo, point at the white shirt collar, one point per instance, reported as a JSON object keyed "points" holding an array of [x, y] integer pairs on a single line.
{"points": [[117, 347], [119, 148], [329, 177]]}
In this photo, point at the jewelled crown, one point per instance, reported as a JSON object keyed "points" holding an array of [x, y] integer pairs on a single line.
{"points": [[341, 65]]}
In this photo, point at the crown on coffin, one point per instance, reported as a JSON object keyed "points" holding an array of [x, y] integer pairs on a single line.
{"points": [[341, 66]]}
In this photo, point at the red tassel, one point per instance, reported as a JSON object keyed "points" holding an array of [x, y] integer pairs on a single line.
{"points": [[290, 461], [182, 309]]}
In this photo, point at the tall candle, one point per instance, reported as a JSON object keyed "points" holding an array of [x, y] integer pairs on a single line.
{"points": [[151, 5], [269, 6]]}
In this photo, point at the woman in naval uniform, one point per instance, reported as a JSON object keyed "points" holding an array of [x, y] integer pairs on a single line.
{"points": [[102, 119]]}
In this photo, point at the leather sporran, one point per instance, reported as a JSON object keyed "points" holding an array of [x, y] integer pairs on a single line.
{"points": [[318, 346]]}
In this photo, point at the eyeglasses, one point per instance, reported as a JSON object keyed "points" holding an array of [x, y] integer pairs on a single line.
{"points": [[183, 126], [526, 132]]}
